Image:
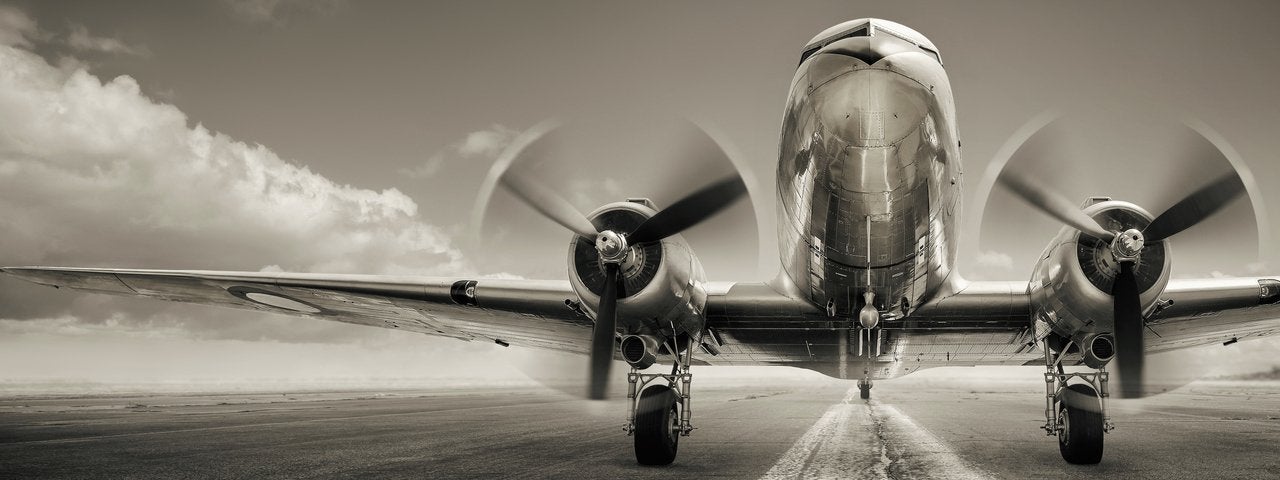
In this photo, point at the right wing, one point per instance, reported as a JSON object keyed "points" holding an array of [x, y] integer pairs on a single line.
{"points": [[531, 313]]}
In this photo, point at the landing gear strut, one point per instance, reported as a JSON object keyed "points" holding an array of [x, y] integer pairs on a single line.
{"points": [[1076, 413], [661, 415]]}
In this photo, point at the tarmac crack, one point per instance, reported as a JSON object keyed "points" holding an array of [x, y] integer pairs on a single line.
{"points": [[885, 466]]}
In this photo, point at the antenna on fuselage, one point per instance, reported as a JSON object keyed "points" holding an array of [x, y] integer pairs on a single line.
{"points": [[869, 316], [869, 292]]}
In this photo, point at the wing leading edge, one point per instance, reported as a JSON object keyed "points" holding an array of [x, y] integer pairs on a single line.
{"points": [[982, 323], [530, 313]]}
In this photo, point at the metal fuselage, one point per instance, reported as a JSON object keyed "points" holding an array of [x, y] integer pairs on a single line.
{"points": [[869, 171]]}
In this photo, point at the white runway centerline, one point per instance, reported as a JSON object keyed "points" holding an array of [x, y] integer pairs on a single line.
{"points": [[860, 439]]}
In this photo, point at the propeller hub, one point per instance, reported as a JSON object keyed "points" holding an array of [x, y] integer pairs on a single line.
{"points": [[1128, 244], [611, 246]]}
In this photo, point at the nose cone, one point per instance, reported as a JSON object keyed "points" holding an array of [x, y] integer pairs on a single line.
{"points": [[869, 27], [866, 107]]}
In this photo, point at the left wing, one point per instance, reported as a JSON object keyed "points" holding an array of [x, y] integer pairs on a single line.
{"points": [[531, 313], [1214, 310]]}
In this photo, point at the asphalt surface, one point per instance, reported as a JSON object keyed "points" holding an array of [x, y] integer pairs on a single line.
{"points": [[1205, 430]]}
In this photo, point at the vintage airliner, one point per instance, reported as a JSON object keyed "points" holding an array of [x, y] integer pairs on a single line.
{"points": [[869, 188]]}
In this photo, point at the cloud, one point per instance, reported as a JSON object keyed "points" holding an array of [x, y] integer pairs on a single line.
{"points": [[277, 12], [589, 193], [991, 265], [488, 142], [93, 172], [992, 260], [16, 28], [1251, 269], [81, 40], [480, 145]]}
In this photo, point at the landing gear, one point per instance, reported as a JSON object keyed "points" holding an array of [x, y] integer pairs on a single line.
{"points": [[1080, 425], [661, 415], [657, 426], [1076, 413], [864, 389]]}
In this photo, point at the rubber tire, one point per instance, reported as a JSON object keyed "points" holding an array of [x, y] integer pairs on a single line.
{"points": [[864, 391], [656, 413], [1081, 441]]}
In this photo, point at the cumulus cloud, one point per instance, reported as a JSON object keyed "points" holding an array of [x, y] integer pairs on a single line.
{"points": [[991, 265], [277, 12], [80, 39], [993, 260], [16, 28], [93, 172], [120, 164], [483, 145], [589, 193]]}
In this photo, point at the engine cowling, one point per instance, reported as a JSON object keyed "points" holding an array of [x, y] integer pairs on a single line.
{"points": [[1071, 284], [662, 293]]}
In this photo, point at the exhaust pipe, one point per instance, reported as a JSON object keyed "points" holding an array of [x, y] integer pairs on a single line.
{"points": [[1098, 349], [639, 350]]}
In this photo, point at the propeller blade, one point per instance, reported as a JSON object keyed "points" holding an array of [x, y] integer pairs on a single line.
{"points": [[1196, 207], [1127, 309], [1051, 203], [690, 210], [547, 202], [602, 335]]}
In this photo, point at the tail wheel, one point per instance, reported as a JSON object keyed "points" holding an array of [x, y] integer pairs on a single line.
{"points": [[864, 390], [657, 426], [1080, 412]]}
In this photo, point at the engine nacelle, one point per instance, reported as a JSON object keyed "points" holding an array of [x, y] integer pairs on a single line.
{"points": [[662, 291], [1071, 284]]}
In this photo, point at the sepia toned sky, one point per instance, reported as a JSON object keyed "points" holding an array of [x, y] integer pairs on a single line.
{"points": [[353, 136]]}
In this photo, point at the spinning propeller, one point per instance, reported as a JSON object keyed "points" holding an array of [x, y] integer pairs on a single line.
{"points": [[613, 247], [1126, 247]]}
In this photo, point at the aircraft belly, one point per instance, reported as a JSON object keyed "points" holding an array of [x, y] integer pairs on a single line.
{"points": [[901, 352]]}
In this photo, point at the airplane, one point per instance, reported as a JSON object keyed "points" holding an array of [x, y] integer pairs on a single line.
{"points": [[869, 185]]}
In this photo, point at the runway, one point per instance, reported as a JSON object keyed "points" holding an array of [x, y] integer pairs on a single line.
{"points": [[820, 430]]}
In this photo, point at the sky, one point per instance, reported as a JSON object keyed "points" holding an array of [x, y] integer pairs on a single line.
{"points": [[334, 136]]}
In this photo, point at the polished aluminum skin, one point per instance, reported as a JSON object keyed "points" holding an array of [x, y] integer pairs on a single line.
{"points": [[663, 283], [869, 172], [1071, 283]]}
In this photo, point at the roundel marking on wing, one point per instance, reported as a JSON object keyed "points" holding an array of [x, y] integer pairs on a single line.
{"points": [[274, 300]]}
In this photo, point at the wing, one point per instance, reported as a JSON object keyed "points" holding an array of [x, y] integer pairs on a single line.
{"points": [[982, 323], [530, 313], [1214, 310]]}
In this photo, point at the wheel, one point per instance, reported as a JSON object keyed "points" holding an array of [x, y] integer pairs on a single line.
{"points": [[864, 390], [1080, 412], [657, 426]]}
